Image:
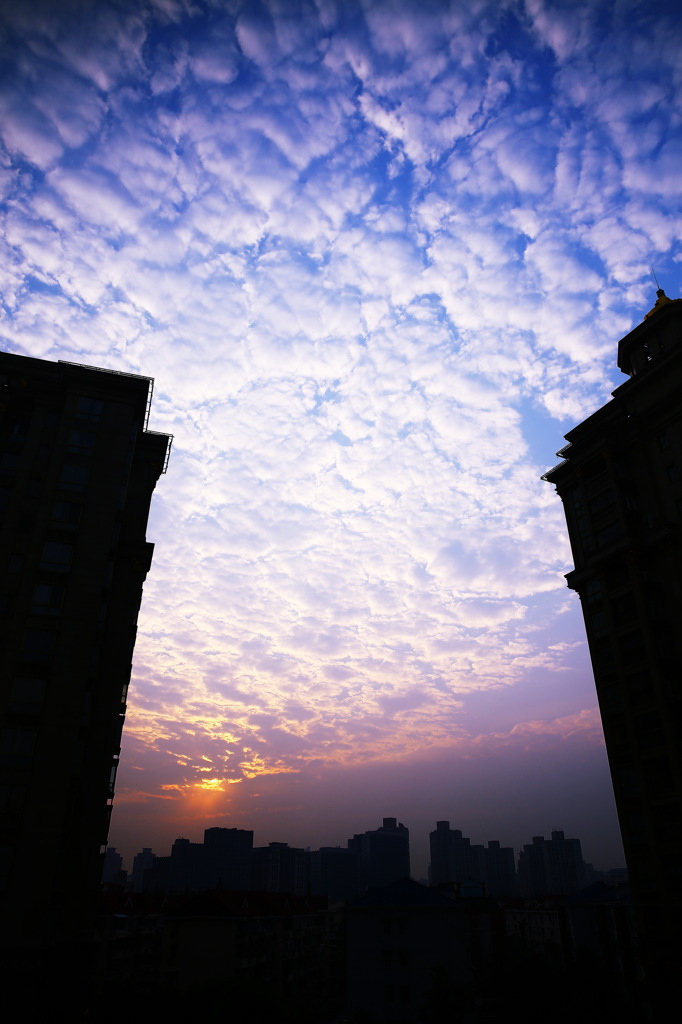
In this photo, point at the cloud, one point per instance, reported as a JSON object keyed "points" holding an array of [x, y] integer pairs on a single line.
{"points": [[377, 264]]}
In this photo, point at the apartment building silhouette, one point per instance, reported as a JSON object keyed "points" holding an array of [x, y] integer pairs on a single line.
{"points": [[77, 470], [621, 484], [384, 853]]}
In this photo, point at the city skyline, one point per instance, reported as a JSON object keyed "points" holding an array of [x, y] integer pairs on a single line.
{"points": [[421, 872], [378, 264]]}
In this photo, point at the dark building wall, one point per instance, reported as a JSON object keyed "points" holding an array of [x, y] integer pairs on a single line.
{"points": [[279, 867], [551, 866], [384, 853], [403, 942], [621, 484], [228, 854], [77, 472], [455, 860], [334, 872]]}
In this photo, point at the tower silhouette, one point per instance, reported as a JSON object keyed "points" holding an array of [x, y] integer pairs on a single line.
{"points": [[77, 470], [621, 484]]}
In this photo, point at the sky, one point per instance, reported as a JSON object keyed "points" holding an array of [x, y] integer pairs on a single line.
{"points": [[377, 256]]}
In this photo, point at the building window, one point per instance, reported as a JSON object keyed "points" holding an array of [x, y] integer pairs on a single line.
{"points": [[66, 512], [575, 497], [599, 623], [673, 473], [56, 556], [9, 463], [89, 409], [15, 563], [16, 747], [39, 644], [73, 478], [601, 501], [12, 798], [47, 599], [27, 695], [82, 442], [52, 422], [19, 430], [609, 534]]}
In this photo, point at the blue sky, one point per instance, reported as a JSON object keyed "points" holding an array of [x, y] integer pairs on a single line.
{"points": [[377, 257]]}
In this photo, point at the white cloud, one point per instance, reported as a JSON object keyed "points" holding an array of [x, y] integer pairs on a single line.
{"points": [[359, 257]]}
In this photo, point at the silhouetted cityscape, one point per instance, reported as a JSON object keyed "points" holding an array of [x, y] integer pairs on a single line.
{"points": [[343, 933], [227, 859], [340, 933]]}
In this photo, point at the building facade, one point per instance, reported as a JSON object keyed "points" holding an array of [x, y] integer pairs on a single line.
{"points": [[77, 470], [384, 854], [621, 484], [551, 867], [455, 860]]}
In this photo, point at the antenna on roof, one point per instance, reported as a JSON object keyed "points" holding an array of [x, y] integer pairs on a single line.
{"points": [[658, 287]]}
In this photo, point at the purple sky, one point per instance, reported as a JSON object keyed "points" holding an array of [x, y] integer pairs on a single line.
{"points": [[377, 258]]}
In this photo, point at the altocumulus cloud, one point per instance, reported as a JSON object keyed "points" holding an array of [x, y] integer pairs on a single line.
{"points": [[377, 262]]}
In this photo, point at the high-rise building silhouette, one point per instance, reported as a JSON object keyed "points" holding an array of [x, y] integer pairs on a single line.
{"points": [[77, 470], [454, 860], [228, 856], [551, 867], [334, 872], [279, 867], [621, 484], [142, 863], [384, 853]]}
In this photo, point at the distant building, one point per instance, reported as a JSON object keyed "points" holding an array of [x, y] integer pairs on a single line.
{"points": [[112, 871], [621, 484], [551, 867], [384, 854], [334, 872], [186, 868], [453, 858], [500, 870], [454, 861], [228, 859], [279, 867], [78, 467], [223, 861], [142, 862]]}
